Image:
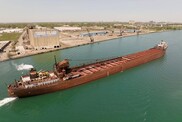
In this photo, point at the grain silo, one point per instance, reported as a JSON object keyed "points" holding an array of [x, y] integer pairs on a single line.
{"points": [[44, 38]]}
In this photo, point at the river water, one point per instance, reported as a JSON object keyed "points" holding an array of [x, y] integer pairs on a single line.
{"points": [[149, 93]]}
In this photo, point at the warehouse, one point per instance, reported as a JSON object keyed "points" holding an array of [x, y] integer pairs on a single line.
{"points": [[68, 28], [11, 30], [100, 33]]}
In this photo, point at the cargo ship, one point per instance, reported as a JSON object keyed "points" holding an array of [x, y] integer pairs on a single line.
{"points": [[63, 76]]}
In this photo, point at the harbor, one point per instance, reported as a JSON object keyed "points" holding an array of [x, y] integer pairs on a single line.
{"points": [[37, 40], [142, 92]]}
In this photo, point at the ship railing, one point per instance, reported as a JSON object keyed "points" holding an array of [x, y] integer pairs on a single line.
{"points": [[141, 54], [41, 83], [71, 77]]}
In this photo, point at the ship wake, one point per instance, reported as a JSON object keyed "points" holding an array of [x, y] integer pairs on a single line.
{"points": [[23, 66], [7, 100]]}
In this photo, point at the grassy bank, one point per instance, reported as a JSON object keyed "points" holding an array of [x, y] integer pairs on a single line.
{"points": [[9, 36]]}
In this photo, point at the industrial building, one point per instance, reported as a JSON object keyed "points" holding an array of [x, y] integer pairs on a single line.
{"points": [[11, 30], [43, 38], [100, 33], [68, 28]]}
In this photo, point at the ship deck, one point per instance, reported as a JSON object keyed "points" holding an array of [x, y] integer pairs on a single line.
{"points": [[103, 65]]}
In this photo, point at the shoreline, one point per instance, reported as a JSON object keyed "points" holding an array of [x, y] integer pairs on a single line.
{"points": [[76, 45]]}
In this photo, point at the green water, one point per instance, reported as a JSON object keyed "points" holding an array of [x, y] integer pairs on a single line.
{"points": [[148, 93]]}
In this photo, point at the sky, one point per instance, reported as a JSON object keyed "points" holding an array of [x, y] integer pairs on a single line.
{"points": [[90, 10]]}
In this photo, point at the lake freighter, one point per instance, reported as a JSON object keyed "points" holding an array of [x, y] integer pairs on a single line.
{"points": [[63, 77]]}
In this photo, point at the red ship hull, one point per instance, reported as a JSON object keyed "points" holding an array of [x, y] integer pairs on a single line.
{"points": [[92, 72]]}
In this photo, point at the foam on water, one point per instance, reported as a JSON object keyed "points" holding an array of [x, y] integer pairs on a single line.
{"points": [[23, 66], [7, 100]]}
